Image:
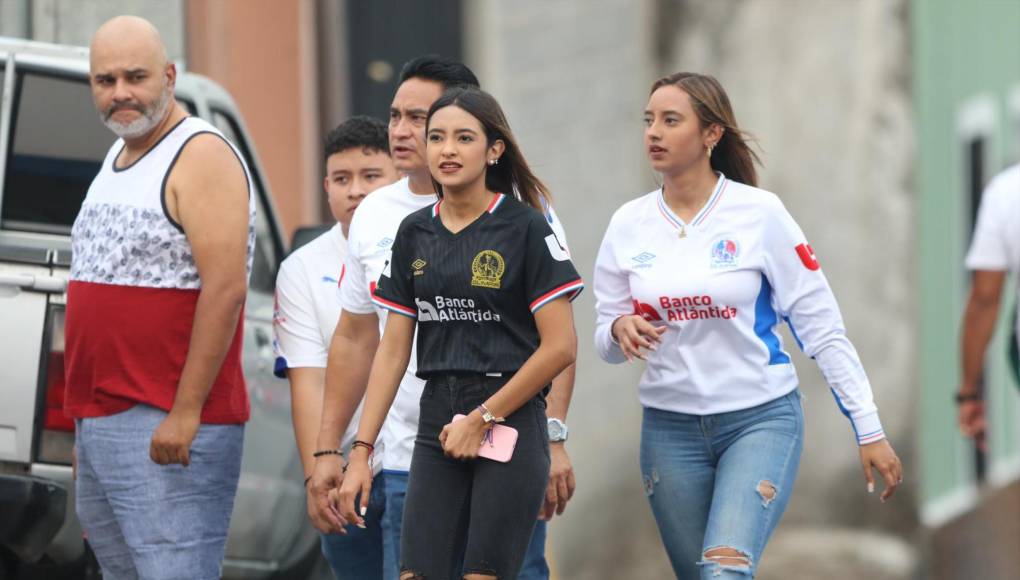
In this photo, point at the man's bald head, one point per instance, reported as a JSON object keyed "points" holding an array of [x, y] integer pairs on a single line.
{"points": [[128, 35], [132, 81]]}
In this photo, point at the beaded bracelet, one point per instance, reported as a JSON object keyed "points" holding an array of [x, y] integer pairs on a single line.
{"points": [[328, 452]]}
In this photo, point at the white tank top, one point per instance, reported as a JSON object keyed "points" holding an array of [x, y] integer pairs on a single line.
{"points": [[124, 235]]}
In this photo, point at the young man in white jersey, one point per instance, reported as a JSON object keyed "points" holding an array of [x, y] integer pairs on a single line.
{"points": [[994, 253], [307, 310], [373, 229]]}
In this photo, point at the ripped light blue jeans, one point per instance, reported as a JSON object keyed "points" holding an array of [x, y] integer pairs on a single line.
{"points": [[720, 481]]}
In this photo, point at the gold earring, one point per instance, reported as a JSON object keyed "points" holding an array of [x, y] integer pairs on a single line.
{"points": [[710, 147]]}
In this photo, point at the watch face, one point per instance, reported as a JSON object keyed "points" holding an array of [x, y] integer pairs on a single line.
{"points": [[556, 431]]}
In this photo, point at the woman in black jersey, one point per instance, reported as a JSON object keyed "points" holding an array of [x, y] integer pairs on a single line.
{"points": [[487, 283]]}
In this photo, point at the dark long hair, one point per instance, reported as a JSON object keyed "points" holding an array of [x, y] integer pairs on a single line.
{"points": [[732, 155], [511, 175]]}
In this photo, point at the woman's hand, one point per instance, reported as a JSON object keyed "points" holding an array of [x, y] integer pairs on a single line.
{"points": [[327, 475], [461, 439], [881, 456], [357, 480], [633, 333]]}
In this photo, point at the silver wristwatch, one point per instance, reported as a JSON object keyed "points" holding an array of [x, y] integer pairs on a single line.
{"points": [[557, 430]]}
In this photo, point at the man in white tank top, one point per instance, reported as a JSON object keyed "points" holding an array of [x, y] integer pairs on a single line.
{"points": [[161, 252]]}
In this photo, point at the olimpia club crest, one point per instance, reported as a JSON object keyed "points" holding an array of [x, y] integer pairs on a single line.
{"points": [[487, 269], [725, 253]]}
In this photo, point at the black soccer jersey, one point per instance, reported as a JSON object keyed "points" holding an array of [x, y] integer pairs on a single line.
{"points": [[474, 293]]}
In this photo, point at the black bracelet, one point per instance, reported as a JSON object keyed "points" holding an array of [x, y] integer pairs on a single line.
{"points": [[328, 452], [967, 397]]}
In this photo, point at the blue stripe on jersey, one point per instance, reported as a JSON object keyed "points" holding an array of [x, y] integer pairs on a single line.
{"points": [[842, 409], [765, 321], [793, 331]]}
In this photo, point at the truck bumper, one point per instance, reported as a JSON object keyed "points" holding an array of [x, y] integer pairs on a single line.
{"points": [[32, 511]]}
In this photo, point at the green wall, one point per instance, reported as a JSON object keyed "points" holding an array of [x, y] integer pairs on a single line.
{"points": [[966, 64]]}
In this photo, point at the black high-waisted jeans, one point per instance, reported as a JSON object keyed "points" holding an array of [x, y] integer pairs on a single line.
{"points": [[479, 512]]}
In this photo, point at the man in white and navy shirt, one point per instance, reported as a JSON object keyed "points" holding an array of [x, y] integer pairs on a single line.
{"points": [[994, 253], [307, 311]]}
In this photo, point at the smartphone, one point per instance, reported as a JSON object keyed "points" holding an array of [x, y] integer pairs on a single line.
{"points": [[499, 442]]}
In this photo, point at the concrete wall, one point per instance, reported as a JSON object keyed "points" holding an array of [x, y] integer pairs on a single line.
{"points": [[833, 119], [273, 79], [74, 22]]}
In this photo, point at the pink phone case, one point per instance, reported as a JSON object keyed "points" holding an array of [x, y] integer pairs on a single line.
{"points": [[499, 442]]}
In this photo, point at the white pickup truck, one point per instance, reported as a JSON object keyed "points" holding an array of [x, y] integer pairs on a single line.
{"points": [[51, 146]]}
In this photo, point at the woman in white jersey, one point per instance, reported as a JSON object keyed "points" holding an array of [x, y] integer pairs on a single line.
{"points": [[694, 278]]}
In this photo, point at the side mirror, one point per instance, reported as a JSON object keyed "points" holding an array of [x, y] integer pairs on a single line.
{"points": [[305, 234]]}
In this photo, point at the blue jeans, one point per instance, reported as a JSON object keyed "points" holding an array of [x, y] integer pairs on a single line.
{"points": [[535, 567], [149, 521], [358, 555], [395, 484], [720, 481]]}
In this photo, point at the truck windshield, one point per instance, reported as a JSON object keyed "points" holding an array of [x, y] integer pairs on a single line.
{"points": [[57, 147]]}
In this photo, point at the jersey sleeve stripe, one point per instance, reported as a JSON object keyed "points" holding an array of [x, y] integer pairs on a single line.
{"points": [[573, 288], [871, 438], [394, 307]]}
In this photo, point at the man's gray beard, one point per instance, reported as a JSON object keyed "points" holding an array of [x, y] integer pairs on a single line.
{"points": [[141, 126]]}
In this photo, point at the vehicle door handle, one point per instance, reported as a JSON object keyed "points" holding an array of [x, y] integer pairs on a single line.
{"points": [[46, 284]]}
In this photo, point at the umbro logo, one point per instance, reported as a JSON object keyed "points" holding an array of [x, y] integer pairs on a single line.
{"points": [[644, 260], [384, 243], [418, 266]]}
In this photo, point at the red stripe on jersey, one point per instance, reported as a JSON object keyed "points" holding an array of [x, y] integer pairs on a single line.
{"points": [[127, 345], [389, 304], [575, 286]]}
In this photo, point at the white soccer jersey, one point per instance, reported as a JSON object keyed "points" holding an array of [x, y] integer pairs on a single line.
{"points": [[308, 309], [369, 239], [996, 243], [722, 284]]}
